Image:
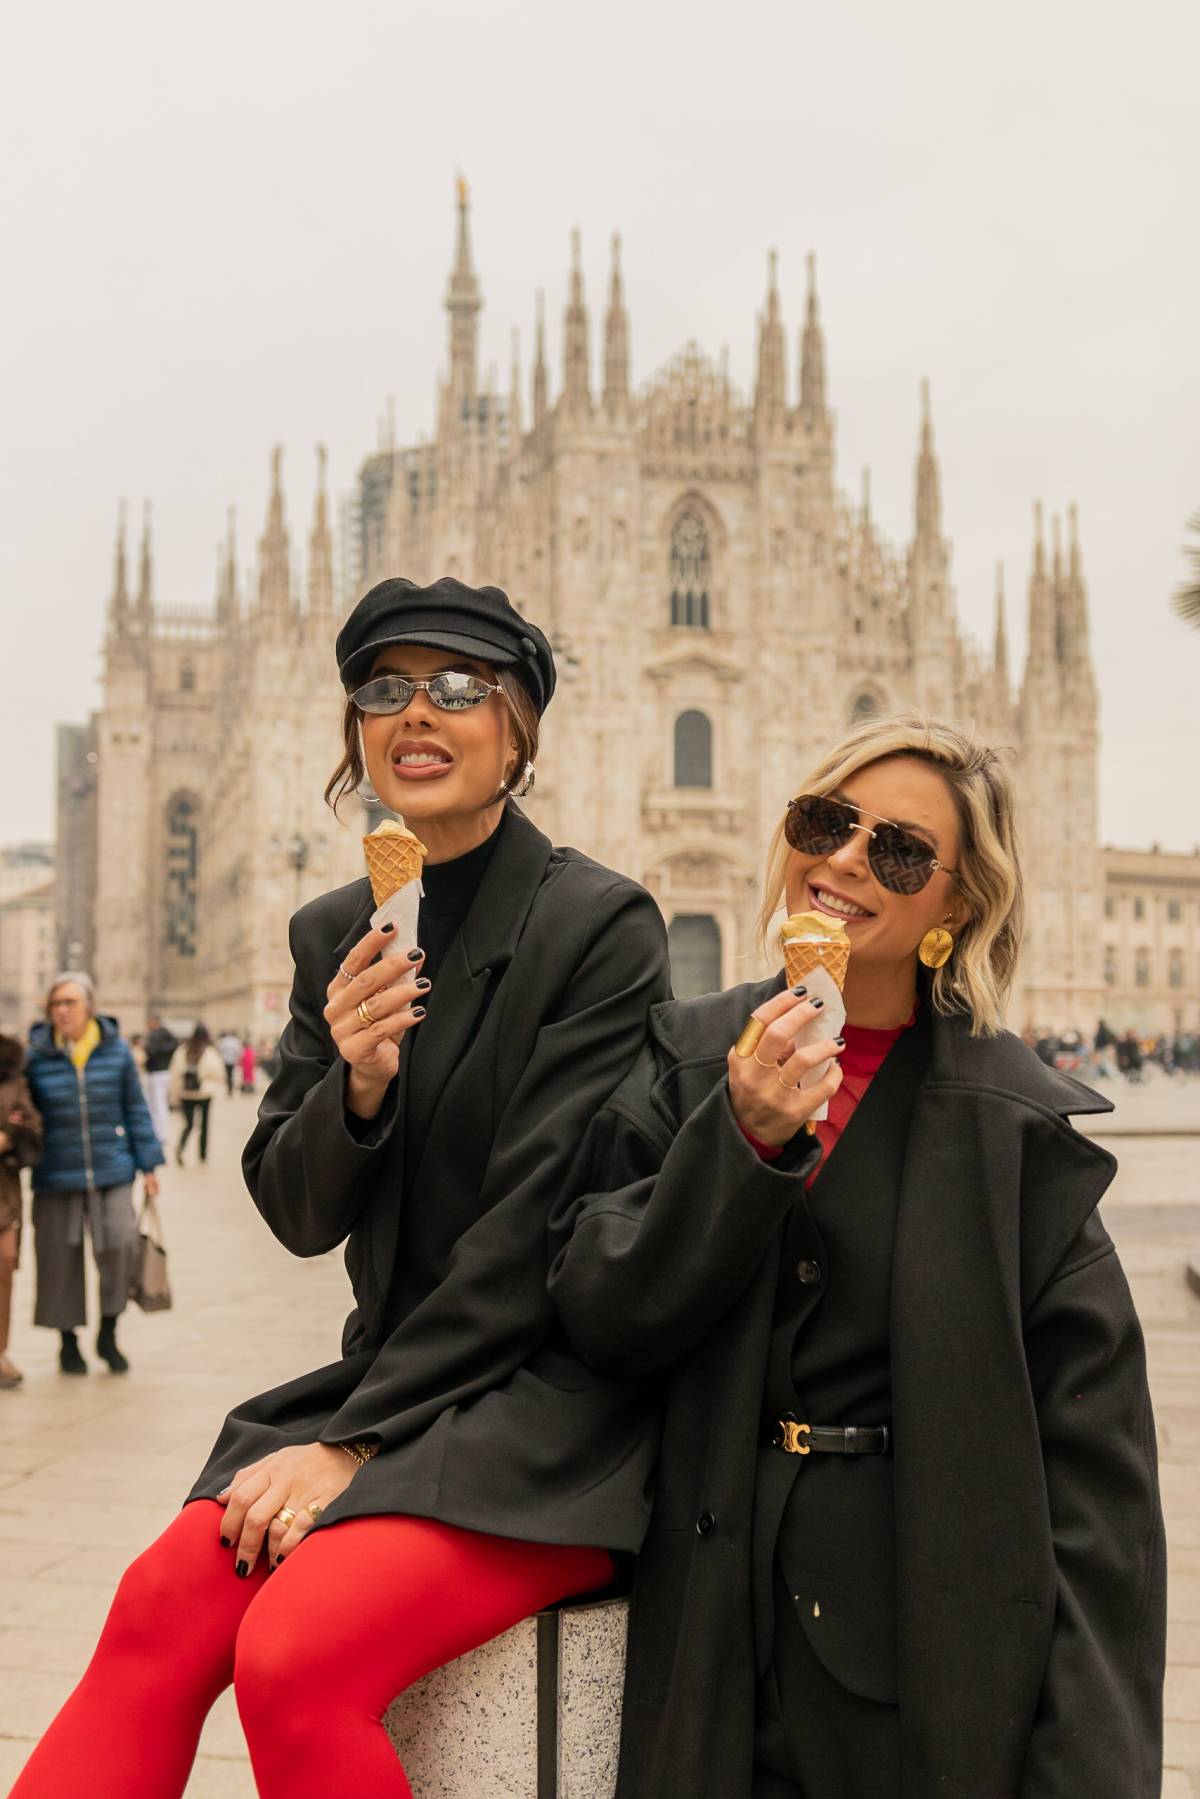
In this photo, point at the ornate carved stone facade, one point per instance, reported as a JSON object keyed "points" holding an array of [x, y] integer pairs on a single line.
{"points": [[720, 612]]}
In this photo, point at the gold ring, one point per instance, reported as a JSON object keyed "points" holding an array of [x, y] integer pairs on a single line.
{"points": [[787, 1084], [365, 1012], [750, 1038], [344, 972], [314, 1511], [285, 1516], [763, 1064]]}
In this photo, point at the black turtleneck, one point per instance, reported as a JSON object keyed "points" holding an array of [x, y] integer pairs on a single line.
{"points": [[450, 888]]}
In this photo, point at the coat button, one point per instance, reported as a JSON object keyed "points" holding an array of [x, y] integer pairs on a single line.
{"points": [[706, 1524], [808, 1272]]}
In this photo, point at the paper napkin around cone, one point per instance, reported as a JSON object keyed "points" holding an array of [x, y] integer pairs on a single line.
{"points": [[816, 952], [395, 858]]}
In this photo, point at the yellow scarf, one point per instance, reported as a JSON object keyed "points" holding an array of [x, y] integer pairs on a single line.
{"points": [[83, 1045]]}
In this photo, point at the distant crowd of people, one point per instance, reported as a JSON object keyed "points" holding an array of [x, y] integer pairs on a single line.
{"points": [[186, 1075], [87, 1113], [1110, 1053]]}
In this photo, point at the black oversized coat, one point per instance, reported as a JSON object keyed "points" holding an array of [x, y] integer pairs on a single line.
{"points": [[451, 1356], [1029, 1545]]}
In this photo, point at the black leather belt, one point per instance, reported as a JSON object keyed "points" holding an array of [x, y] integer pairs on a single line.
{"points": [[794, 1438]]}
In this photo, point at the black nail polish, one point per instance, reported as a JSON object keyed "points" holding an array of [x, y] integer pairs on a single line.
{"points": [[225, 1543], [415, 955], [841, 1042], [816, 1002], [799, 992], [387, 929], [423, 985], [242, 1569], [417, 1011]]}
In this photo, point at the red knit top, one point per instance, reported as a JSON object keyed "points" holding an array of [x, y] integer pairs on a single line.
{"points": [[861, 1060]]}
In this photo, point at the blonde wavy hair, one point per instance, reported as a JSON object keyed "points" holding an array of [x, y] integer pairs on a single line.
{"points": [[976, 979]]}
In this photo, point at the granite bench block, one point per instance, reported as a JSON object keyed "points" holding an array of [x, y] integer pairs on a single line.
{"points": [[470, 1730]]}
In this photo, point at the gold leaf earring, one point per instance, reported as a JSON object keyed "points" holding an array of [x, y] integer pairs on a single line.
{"points": [[935, 947]]}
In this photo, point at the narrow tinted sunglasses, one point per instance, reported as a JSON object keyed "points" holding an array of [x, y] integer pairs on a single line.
{"points": [[451, 691], [816, 826]]}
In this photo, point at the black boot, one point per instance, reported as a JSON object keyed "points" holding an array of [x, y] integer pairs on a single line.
{"points": [[106, 1346], [69, 1358]]}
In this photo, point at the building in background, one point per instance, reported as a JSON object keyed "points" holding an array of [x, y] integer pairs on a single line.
{"points": [[76, 761], [720, 612], [1151, 938], [23, 867], [28, 962]]}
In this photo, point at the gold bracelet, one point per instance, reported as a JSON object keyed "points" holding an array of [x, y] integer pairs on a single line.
{"points": [[359, 1452]]}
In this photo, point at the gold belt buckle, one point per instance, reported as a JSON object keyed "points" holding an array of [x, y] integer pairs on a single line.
{"points": [[790, 1435]]}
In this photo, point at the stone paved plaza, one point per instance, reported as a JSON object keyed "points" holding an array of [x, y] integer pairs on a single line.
{"points": [[91, 1469]]}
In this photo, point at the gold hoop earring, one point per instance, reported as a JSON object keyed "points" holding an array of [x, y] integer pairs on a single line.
{"points": [[935, 947]]}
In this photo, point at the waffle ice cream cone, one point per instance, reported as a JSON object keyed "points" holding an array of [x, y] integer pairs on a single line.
{"points": [[394, 858], [811, 940]]}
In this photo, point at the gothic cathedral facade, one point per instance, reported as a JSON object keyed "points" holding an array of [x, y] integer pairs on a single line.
{"points": [[720, 612]]}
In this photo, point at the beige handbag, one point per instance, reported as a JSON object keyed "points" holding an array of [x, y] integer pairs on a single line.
{"points": [[149, 1286]]}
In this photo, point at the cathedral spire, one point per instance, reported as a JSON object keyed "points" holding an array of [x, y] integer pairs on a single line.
{"points": [[616, 340], [576, 395], [145, 593], [770, 391], [274, 549], [1073, 607], [119, 602], [1000, 655], [929, 495], [539, 363], [320, 548], [463, 303], [227, 593], [1042, 634], [516, 428], [812, 352]]}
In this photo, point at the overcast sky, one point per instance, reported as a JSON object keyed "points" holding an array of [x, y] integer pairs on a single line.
{"points": [[231, 225]]}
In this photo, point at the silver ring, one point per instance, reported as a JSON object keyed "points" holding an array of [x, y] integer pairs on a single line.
{"points": [[343, 971]]}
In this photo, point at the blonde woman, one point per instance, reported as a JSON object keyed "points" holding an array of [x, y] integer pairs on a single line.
{"points": [[906, 1534]]}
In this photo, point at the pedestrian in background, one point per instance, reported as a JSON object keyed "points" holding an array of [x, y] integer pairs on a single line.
{"points": [[97, 1135], [20, 1146], [197, 1075], [159, 1046], [249, 1066], [230, 1046]]}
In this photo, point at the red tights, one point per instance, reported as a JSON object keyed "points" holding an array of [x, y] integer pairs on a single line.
{"points": [[316, 1652]]}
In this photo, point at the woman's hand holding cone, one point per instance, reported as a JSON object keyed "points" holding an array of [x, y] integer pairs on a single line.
{"points": [[389, 993], [762, 1086]]}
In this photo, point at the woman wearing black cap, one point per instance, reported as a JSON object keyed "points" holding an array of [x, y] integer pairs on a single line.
{"points": [[439, 1481]]}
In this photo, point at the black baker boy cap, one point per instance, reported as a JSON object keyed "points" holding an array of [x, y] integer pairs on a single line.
{"points": [[480, 622]]}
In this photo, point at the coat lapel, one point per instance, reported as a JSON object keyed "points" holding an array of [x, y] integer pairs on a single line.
{"points": [[476, 959], [988, 1132]]}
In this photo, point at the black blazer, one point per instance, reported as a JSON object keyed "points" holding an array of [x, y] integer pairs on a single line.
{"points": [[451, 1356], [1029, 1541]]}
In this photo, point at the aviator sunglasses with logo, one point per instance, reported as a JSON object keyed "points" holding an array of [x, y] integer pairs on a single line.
{"points": [[816, 825], [451, 691]]}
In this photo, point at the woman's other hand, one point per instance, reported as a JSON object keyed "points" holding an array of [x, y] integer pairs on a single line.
{"points": [[762, 1087], [150, 1185], [295, 1479], [391, 992]]}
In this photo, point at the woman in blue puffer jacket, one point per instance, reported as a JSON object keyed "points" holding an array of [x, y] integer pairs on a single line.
{"points": [[98, 1134]]}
